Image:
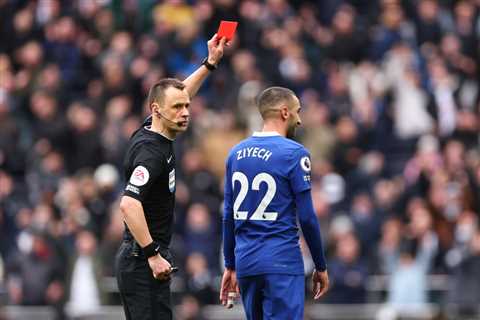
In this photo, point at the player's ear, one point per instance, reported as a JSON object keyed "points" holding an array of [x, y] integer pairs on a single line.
{"points": [[285, 112]]}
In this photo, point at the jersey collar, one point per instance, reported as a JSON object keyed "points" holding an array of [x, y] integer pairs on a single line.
{"points": [[149, 129], [265, 134]]}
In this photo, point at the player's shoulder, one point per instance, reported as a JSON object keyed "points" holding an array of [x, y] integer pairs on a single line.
{"points": [[299, 155], [293, 148], [292, 144], [278, 143]]}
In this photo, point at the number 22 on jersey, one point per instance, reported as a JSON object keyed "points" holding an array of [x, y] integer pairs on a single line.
{"points": [[260, 213]]}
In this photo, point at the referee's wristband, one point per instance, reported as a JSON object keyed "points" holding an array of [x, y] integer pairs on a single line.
{"points": [[151, 249], [208, 65]]}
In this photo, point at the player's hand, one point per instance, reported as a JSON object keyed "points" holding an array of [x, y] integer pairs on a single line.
{"points": [[229, 288], [161, 268], [215, 49], [320, 283]]}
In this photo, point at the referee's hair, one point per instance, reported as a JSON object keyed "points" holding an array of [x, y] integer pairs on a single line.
{"points": [[270, 99], [157, 91]]}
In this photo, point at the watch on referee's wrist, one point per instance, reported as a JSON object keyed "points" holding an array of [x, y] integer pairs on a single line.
{"points": [[208, 65], [151, 249]]}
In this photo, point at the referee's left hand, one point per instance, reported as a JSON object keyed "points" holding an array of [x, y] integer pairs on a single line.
{"points": [[161, 268], [215, 49]]}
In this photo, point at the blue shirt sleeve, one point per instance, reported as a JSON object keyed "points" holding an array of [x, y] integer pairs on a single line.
{"points": [[299, 173], [228, 222], [310, 228]]}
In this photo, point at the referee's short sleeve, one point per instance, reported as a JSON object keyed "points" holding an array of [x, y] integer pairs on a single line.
{"points": [[148, 165]]}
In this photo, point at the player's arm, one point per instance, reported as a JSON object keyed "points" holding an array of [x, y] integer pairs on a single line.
{"points": [[310, 228], [300, 167], [311, 232], [228, 229], [229, 280], [215, 53]]}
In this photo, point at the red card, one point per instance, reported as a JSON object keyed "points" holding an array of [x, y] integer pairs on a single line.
{"points": [[227, 29]]}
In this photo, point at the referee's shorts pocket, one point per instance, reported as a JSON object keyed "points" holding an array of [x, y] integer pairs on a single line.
{"points": [[134, 281], [140, 281]]}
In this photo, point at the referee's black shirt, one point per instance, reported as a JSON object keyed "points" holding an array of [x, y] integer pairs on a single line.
{"points": [[150, 170]]}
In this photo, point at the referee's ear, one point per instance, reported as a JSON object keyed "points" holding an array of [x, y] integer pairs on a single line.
{"points": [[154, 107]]}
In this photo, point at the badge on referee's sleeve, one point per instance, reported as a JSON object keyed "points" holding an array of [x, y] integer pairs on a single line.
{"points": [[139, 176], [171, 181]]}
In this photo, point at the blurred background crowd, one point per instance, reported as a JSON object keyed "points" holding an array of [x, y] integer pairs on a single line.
{"points": [[390, 96]]}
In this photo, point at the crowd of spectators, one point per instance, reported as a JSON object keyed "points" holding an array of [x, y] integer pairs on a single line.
{"points": [[390, 96]]}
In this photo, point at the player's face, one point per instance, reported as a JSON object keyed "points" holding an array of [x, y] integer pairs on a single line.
{"points": [[294, 120], [176, 110]]}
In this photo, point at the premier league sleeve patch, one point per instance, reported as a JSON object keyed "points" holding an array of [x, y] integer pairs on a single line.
{"points": [[305, 164], [300, 171], [139, 176]]}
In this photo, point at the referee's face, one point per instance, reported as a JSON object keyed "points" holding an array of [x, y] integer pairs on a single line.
{"points": [[176, 109]]}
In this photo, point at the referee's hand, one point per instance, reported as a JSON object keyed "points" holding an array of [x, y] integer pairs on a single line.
{"points": [[161, 268], [216, 46]]}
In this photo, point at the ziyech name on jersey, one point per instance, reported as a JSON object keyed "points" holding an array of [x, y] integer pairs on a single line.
{"points": [[254, 152]]}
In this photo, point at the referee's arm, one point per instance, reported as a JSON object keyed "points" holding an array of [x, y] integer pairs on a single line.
{"points": [[134, 217], [215, 53]]}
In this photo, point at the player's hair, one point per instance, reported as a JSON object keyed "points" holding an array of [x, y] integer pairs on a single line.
{"points": [[270, 98], [157, 91]]}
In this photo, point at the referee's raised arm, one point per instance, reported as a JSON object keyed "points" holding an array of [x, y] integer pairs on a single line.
{"points": [[215, 53]]}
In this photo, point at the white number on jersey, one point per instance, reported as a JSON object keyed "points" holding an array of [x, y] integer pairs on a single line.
{"points": [[259, 213]]}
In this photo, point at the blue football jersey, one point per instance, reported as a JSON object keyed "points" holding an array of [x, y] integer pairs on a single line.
{"points": [[263, 174]]}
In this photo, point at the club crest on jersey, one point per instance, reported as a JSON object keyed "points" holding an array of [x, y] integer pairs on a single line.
{"points": [[139, 176], [305, 164], [171, 181]]}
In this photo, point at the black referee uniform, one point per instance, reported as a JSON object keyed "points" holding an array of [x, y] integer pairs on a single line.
{"points": [[150, 167]]}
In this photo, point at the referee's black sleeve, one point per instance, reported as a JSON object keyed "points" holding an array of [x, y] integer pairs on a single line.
{"points": [[148, 165]]}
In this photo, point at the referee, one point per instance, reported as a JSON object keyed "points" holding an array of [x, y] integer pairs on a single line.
{"points": [[144, 262]]}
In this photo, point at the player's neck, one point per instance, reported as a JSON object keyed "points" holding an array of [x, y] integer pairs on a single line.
{"points": [[270, 126], [160, 128]]}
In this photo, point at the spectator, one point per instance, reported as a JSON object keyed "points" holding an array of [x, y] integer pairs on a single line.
{"points": [[199, 279], [189, 309], [83, 288], [348, 43], [200, 234], [429, 28], [36, 276], [408, 282], [366, 221], [85, 151], [465, 288], [389, 244], [348, 272]]}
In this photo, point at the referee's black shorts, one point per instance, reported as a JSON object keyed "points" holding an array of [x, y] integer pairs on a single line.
{"points": [[143, 296]]}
